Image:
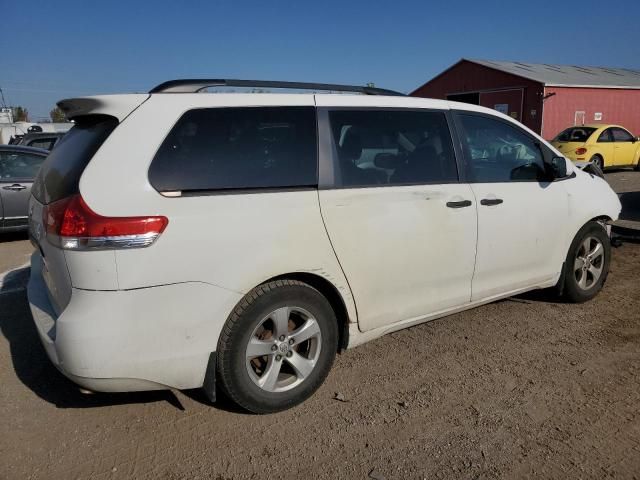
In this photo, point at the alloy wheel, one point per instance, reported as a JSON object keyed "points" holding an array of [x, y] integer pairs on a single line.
{"points": [[283, 349], [589, 263]]}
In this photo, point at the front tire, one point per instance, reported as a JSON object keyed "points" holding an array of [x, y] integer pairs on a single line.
{"points": [[277, 346], [587, 263]]}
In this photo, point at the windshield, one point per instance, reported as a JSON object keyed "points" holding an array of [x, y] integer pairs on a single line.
{"points": [[575, 134]]}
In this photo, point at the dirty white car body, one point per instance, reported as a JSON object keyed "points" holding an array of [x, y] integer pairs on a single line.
{"points": [[117, 318]]}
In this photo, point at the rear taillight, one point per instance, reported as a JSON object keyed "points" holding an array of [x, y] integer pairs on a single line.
{"points": [[581, 151], [70, 224]]}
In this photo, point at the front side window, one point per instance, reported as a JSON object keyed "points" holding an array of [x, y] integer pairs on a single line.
{"points": [[621, 135], [605, 137], [19, 166], [392, 147], [499, 152], [238, 148]]}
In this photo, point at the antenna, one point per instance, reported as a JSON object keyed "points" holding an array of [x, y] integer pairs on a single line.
{"points": [[4, 104]]}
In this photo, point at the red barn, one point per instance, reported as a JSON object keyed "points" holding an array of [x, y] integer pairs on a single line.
{"points": [[546, 98]]}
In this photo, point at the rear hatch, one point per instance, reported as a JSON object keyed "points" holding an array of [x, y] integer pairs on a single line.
{"points": [[572, 141], [571, 149], [59, 178]]}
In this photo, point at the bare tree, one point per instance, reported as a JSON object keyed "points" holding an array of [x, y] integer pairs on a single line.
{"points": [[20, 114], [57, 115]]}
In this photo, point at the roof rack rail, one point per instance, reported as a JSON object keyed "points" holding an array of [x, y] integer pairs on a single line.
{"points": [[197, 85]]}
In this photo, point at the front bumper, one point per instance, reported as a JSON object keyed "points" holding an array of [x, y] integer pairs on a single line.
{"points": [[129, 340]]}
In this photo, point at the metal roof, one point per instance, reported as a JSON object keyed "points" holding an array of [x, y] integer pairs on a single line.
{"points": [[568, 75]]}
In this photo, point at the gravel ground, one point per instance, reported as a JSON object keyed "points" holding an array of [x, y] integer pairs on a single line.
{"points": [[623, 180], [522, 388]]}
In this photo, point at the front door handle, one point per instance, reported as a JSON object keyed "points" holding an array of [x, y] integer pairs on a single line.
{"points": [[460, 204], [15, 187], [491, 201]]}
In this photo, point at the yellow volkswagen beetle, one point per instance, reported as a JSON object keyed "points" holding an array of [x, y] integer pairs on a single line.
{"points": [[604, 145]]}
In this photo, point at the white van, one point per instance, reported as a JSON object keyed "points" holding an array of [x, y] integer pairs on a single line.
{"points": [[190, 239]]}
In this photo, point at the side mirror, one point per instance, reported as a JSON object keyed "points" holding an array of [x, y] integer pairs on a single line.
{"points": [[558, 167]]}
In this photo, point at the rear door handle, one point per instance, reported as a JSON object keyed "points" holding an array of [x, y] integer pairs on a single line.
{"points": [[15, 187], [491, 201], [460, 204]]}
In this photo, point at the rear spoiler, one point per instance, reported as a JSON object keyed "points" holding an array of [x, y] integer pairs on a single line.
{"points": [[118, 106]]}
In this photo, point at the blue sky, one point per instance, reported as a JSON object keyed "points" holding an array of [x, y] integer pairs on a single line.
{"points": [[57, 49]]}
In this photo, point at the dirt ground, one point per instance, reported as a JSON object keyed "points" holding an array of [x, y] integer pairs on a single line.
{"points": [[627, 184], [522, 388]]}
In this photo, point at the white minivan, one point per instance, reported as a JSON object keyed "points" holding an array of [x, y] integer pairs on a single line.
{"points": [[191, 239]]}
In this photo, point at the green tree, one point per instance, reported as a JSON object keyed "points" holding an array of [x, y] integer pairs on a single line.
{"points": [[57, 115], [20, 114]]}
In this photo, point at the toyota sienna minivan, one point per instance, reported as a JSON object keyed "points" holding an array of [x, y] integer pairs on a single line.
{"points": [[191, 239]]}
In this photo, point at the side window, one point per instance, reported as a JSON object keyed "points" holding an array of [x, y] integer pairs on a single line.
{"points": [[605, 137], [19, 166], [499, 152], [238, 148], [620, 135], [46, 143], [392, 147]]}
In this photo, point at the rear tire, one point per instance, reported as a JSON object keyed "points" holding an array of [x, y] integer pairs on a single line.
{"points": [[587, 263], [277, 346], [599, 161]]}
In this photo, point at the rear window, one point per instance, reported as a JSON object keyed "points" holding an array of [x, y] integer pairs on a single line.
{"points": [[60, 173], [575, 134], [46, 143], [238, 148]]}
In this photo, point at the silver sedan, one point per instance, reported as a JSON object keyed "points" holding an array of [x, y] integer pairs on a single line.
{"points": [[19, 166]]}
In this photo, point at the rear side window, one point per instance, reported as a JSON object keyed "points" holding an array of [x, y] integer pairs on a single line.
{"points": [[60, 173], [392, 147], [605, 137], [238, 148]]}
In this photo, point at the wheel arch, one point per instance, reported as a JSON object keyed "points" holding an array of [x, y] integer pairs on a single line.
{"points": [[333, 296], [603, 220], [600, 219]]}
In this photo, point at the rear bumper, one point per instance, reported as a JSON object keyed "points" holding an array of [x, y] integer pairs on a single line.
{"points": [[129, 340]]}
